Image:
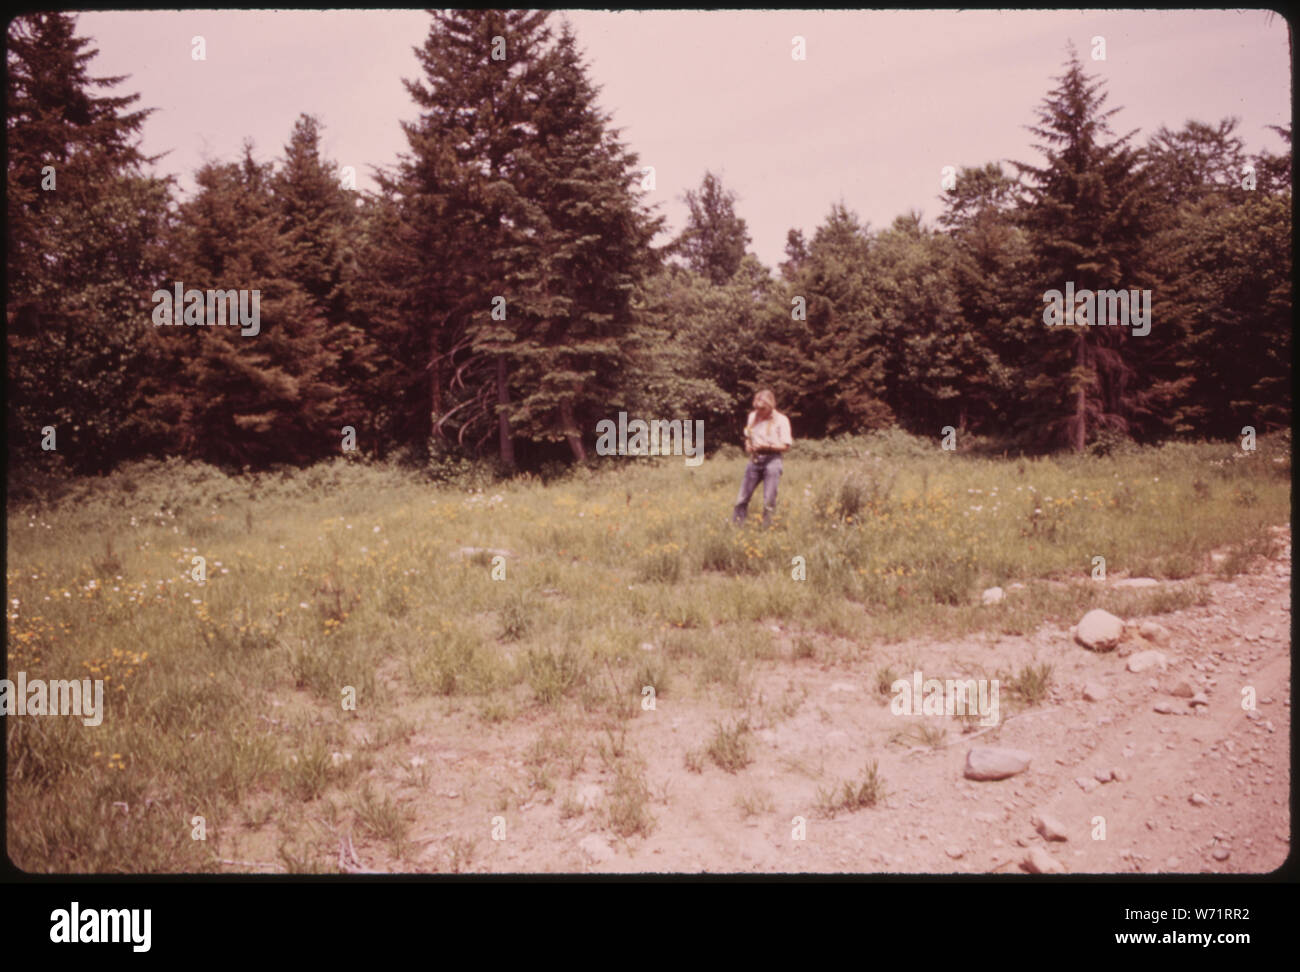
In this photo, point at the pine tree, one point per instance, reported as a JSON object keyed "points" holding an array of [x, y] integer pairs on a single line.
{"points": [[586, 249], [241, 399], [83, 256], [1087, 212]]}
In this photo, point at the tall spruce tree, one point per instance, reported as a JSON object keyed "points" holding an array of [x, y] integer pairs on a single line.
{"points": [[1087, 211], [461, 189], [83, 231]]}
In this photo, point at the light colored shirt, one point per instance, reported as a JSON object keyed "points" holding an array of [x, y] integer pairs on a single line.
{"points": [[772, 433]]}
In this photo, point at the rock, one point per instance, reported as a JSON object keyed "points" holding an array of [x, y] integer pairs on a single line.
{"points": [[1164, 708], [1120, 775], [1103, 775], [1095, 692], [1145, 660], [1138, 582], [1221, 853], [596, 848], [956, 853], [1038, 861], [993, 595], [1049, 827], [1197, 800], [1183, 690], [995, 763], [1198, 699], [1099, 630], [1154, 632], [1086, 783], [1267, 633]]}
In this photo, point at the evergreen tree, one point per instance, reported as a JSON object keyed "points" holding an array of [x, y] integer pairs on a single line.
{"points": [[247, 399], [1087, 212], [83, 234]]}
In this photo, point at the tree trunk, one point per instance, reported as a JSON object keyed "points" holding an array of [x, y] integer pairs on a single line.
{"points": [[503, 421], [435, 395], [571, 432], [1081, 400]]}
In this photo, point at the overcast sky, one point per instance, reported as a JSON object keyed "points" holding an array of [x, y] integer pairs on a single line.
{"points": [[882, 102]]}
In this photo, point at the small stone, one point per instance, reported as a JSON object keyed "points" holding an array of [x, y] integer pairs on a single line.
{"points": [[1099, 630], [1095, 692], [956, 853], [1222, 854], [1198, 699], [1049, 827], [1164, 708], [1087, 784], [1120, 775], [993, 595], [1103, 775], [1144, 660], [1038, 861], [1197, 800], [1152, 631], [1183, 690], [995, 763]]}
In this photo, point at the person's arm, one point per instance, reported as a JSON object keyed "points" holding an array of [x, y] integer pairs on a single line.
{"points": [[784, 437], [749, 444]]}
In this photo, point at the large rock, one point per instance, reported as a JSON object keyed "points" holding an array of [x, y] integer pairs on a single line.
{"points": [[1099, 630], [1146, 660], [995, 763], [993, 595]]}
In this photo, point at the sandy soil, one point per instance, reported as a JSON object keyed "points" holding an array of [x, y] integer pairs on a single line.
{"points": [[1202, 789]]}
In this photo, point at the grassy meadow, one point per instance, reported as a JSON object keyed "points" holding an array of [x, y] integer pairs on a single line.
{"points": [[224, 696]]}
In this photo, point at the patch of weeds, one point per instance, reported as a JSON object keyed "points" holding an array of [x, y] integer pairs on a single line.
{"points": [[755, 803], [849, 796], [460, 853], [695, 760], [885, 678], [552, 674], [729, 747], [1032, 683], [628, 808]]}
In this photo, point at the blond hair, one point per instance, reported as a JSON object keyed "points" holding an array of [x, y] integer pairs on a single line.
{"points": [[765, 396]]}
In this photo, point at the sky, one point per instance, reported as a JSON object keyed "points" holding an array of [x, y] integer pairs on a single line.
{"points": [[882, 101]]}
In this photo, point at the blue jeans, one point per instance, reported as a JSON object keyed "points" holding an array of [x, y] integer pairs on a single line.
{"points": [[768, 469]]}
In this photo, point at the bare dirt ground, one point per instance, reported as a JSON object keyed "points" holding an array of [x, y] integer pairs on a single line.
{"points": [[1202, 789]]}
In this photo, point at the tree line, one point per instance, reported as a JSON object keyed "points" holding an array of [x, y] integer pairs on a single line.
{"points": [[500, 292]]}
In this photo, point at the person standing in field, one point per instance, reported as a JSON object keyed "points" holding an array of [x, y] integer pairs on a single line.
{"points": [[767, 438]]}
